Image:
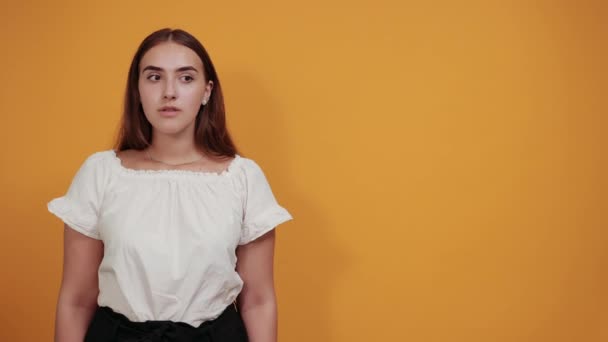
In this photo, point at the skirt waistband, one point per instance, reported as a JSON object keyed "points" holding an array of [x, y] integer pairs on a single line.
{"points": [[108, 325]]}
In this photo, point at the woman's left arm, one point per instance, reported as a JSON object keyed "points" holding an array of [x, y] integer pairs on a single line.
{"points": [[257, 301]]}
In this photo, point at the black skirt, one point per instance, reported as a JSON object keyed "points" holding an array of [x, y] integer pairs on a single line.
{"points": [[110, 326]]}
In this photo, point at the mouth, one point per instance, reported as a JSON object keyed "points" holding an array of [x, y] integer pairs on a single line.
{"points": [[169, 111]]}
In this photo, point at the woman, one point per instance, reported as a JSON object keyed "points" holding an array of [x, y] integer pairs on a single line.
{"points": [[154, 228]]}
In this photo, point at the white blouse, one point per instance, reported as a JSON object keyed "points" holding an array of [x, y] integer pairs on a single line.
{"points": [[169, 235]]}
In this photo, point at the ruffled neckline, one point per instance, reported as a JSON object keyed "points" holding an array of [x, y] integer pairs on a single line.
{"points": [[175, 172]]}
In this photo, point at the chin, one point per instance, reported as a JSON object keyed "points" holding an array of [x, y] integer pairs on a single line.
{"points": [[172, 126]]}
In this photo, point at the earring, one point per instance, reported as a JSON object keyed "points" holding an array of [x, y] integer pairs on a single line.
{"points": [[204, 102]]}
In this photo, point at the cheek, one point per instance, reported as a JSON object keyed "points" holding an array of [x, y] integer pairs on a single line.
{"points": [[146, 95], [192, 97]]}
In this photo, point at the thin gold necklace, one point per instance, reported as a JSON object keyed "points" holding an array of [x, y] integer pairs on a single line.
{"points": [[162, 162]]}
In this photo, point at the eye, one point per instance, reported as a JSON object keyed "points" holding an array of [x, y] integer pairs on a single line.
{"points": [[187, 78], [153, 77]]}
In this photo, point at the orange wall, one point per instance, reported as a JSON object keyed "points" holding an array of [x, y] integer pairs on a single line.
{"points": [[445, 161]]}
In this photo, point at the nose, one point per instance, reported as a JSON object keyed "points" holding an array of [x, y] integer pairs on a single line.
{"points": [[169, 92]]}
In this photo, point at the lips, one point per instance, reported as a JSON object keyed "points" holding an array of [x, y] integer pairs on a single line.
{"points": [[169, 111]]}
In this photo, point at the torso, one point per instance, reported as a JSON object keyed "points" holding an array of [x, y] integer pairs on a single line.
{"points": [[170, 237]]}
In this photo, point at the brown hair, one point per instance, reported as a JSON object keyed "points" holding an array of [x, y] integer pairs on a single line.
{"points": [[210, 132]]}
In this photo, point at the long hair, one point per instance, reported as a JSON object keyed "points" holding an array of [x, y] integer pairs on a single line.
{"points": [[210, 132]]}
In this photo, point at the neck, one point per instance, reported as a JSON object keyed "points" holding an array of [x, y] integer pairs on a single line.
{"points": [[174, 149]]}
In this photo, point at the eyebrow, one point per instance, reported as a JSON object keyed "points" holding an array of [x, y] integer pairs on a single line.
{"points": [[184, 68]]}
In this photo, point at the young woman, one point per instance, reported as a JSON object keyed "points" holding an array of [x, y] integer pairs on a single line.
{"points": [[169, 236]]}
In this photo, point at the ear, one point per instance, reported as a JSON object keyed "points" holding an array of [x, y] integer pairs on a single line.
{"points": [[208, 89]]}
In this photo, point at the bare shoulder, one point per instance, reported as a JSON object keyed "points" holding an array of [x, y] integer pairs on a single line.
{"points": [[217, 164], [132, 159]]}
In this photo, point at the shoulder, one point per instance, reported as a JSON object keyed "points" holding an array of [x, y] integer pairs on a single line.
{"points": [[98, 161], [99, 156], [251, 173], [131, 159], [247, 166]]}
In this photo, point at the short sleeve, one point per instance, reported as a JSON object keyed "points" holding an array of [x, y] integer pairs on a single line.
{"points": [[261, 211], [79, 207]]}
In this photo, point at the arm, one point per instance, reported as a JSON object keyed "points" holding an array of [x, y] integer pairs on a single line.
{"points": [[79, 286], [257, 301]]}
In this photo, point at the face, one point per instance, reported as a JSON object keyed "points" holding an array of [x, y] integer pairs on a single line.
{"points": [[172, 87]]}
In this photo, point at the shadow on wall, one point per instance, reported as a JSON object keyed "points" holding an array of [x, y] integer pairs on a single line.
{"points": [[308, 262]]}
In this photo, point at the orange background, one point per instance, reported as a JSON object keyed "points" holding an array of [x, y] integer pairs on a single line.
{"points": [[445, 161]]}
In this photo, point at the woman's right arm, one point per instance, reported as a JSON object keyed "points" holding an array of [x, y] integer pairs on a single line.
{"points": [[79, 286]]}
